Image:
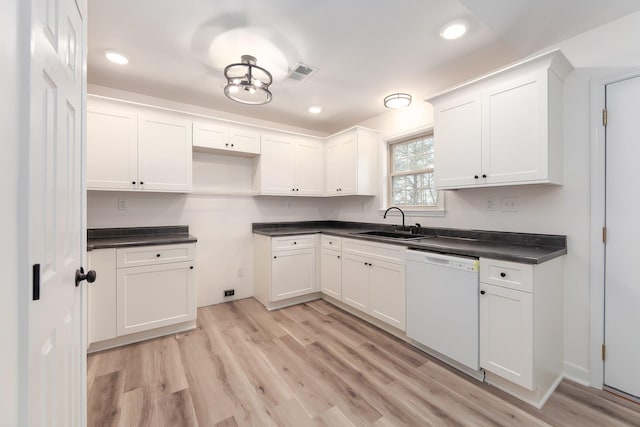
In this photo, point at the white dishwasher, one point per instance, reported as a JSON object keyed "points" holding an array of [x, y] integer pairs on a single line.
{"points": [[442, 305]]}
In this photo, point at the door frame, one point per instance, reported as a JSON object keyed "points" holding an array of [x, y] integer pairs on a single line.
{"points": [[597, 184]]}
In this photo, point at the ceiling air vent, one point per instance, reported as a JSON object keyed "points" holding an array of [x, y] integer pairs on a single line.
{"points": [[302, 72]]}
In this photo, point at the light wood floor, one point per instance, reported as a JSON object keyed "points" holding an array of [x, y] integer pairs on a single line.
{"points": [[311, 364]]}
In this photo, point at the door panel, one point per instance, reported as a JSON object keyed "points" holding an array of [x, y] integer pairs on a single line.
{"points": [[388, 293], [355, 281], [56, 340], [308, 168], [622, 289], [293, 273]]}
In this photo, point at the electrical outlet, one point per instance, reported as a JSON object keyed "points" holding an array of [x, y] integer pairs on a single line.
{"points": [[229, 292], [509, 204], [491, 204], [122, 204]]}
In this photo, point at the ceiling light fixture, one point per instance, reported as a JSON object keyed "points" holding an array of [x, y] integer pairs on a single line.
{"points": [[315, 109], [397, 100], [117, 58], [247, 83], [454, 29]]}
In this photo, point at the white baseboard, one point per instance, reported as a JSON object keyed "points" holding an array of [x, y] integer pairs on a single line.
{"points": [[579, 375]]}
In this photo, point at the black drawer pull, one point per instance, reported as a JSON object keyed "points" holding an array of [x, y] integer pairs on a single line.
{"points": [[482, 292], [503, 274], [158, 255]]}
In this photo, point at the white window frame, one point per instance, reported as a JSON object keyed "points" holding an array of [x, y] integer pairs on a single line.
{"points": [[436, 211]]}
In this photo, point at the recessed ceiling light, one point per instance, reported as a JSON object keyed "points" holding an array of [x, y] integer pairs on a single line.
{"points": [[316, 109], [117, 58], [454, 29], [397, 100]]}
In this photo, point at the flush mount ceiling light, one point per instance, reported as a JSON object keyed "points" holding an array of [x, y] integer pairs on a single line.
{"points": [[397, 100], [315, 109], [116, 58], [247, 82], [454, 29]]}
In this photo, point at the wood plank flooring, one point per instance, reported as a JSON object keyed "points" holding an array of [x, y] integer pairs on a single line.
{"points": [[310, 365]]}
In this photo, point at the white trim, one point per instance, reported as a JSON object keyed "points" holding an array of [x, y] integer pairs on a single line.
{"points": [[577, 374], [597, 221]]}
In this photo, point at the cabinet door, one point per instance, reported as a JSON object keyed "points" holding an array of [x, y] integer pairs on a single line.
{"points": [[308, 168], [515, 131], [388, 293], [342, 165], [355, 281], [506, 333], [101, 295], [164, 152], [293, 273], [155, 295], [457, 143], [112, 147], [210, 135], [244, 140], [331, 273], [276, 166]]}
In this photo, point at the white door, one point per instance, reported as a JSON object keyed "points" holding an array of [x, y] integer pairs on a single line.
{"points": [[387, 293], [622, 288], [355, 281], [56, 377], [331, 273], [276, 166], [293, 273], [308, 168]]}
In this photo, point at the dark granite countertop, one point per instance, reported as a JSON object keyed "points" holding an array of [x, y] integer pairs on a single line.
{"points": [[100, 238], [517, 247]]}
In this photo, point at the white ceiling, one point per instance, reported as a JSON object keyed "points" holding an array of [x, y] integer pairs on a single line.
{"points": [[364, 49]]}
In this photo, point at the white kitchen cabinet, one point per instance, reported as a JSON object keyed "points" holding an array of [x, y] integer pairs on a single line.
{"points": [[289, 165], [112, 146], [101, 295], [502, 129], [331, 266], [521, 345], [137, 149], [225, 138], [153, 296], [373, 280], [284, 268], [506, 330], [352, 163], [142, 289]]}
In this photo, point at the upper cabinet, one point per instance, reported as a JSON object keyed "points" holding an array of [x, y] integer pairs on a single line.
{"points": [[352, 165], [289, 165], [502, 129], [137, 149], [225, 138]]}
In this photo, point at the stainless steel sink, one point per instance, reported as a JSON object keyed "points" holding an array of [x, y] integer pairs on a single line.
{"points": [[398, 235]]}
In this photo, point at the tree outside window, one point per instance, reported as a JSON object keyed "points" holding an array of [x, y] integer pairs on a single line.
{"points": [[411, 173]]}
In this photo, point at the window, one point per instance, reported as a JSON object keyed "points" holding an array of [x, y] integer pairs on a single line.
{"points": [[411, 173]]}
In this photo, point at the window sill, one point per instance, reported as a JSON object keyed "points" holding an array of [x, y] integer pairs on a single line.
{"points": [[416, 212]]}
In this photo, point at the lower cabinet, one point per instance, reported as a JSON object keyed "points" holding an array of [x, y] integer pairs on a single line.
{"points": [[521, 341], [373, 280], [331, 273], [140, 289], [284, 267]]}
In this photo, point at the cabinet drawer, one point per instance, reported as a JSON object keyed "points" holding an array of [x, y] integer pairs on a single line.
{"points": [[331, 242], [293, 242], [148, 255], [370, 250], [510, 275]]}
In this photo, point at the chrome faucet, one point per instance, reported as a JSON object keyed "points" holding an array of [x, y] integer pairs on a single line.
{"points": [[395, 207]]}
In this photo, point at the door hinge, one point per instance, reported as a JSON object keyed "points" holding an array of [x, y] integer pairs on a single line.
{"points": [[604, 235], [604, 351], [604, 117]]}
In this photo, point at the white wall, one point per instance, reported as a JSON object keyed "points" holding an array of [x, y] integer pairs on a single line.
{"points": [[9, 283]]}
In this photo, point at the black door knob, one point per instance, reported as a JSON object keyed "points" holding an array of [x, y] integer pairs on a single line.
{"points": [[484, 175], [503, 274], [475, 176], [482, 292], [89, 277]]}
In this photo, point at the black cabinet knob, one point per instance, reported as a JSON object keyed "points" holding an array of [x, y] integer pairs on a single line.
{"points": [[295, 243], [231, 145], [226, 144], [133, 182], [482, 292], [338, 256], [475, 176], [141, 182], [484, 175], [191, 267], [503, 274], [274, 257], [158, 255]]}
